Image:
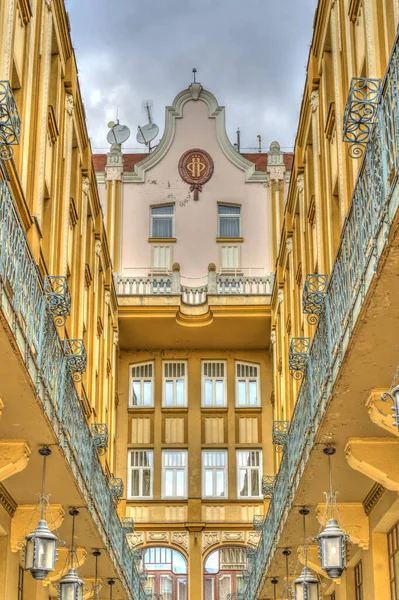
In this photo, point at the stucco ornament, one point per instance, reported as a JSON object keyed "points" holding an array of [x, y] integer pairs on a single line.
{"points": [[300, 183], [116, 338], [233, 536], [210, 538], [180, 538], [85, 185], [98, 247], [196, 168], [280, 296], [273, 336], [157, 536], [69, 104], [314, 100], [135, 539], [288, 245], [253, 537]]}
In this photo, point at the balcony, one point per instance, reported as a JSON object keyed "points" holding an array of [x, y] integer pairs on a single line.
{"points": [[30, 323], [365, 238]]}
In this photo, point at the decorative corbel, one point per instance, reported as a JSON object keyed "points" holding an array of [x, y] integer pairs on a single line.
{"points": [[377, 458], [355, 522], [14, 457], [380, 412]]}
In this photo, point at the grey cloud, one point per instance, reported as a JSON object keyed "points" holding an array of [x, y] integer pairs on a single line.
{"points": [[251, 54]]}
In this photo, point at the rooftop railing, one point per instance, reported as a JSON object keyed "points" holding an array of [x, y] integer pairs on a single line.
{"points": [[364, 237], [30, 319]]}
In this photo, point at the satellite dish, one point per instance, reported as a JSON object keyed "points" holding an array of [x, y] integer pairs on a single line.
{"points": [[117, 133], [147, 133]]}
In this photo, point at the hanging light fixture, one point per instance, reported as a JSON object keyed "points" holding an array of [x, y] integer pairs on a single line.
{"points": [[111, 582], [96, 596], [332, 540], [274, 582], [287, 587], [41, 544], [71, 587], [306, 587]]}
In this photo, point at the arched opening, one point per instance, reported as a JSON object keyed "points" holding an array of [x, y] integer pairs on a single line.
{"points": [[167, 573], [223, 572]]}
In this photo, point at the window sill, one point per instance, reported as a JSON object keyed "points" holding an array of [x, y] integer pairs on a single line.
{"points": [[242, 409], [162, 240], [222, 240], [174, 409], [134, 409], [214, 409]]}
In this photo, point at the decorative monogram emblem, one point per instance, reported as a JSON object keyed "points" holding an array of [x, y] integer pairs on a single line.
{"points": [[196, 168]]}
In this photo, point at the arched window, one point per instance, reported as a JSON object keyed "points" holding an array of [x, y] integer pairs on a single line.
{"points": [[223, 572], [167, 573]]}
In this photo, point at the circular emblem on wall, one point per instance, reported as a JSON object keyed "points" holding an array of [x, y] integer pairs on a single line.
{"points": [[196, 168]]}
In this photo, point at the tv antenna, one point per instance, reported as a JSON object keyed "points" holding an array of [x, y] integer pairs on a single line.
{"points": [[117, 133], [148, 132]]}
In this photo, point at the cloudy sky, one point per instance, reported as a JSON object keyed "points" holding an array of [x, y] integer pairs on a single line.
{"points": [[251, 54]]}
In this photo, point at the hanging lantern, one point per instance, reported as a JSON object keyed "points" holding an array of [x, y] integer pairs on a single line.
{"points": [[41, 544], [71, 587], [96, 595], [111, 582], [332, 540], [306, 587], [274, 583]]}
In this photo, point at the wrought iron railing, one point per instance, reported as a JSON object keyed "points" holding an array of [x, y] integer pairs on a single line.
{"points": [[10, 122], [360, 113], [25, 308], [314, 294], [363, 239]]}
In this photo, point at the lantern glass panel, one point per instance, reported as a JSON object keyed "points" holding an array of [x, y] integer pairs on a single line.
{"points": [[313, 591], [45, 553], [80, 592], [29, 554], [299, 595], [332, 552], [68, 591]]}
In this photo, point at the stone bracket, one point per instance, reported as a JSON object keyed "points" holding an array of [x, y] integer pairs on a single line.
{"points": [[380, 412], [354, 520], [377, 458], [14, 457]]}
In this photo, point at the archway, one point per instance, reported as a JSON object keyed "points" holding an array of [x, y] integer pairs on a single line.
{"points": [[167, 572], [223, 572]]}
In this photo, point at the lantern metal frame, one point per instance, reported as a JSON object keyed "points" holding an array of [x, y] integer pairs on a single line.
{"points": [[42, 534], [393, 396], [274, 582], [306, 578], [333, 528], [97, 587], [287, 584], [111, 583], [72, 577]]}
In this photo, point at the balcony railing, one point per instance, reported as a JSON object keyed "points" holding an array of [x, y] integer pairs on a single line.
{"points": [[195, 290], [364, 237], [29, 316]]}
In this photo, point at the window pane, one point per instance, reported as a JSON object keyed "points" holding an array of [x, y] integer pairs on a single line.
{"points": [[241, 393], [182, 589], [253, 395], [169, 393], [208, 483], [136, 393], [219, 393], [243, 482], [180, 392], [229, 227], [135, 482], [180, 487], [162, 227], [147, 393], [146, 482], [225, 209], [168, 482], [162, 210], [220, 483], [255, 483], [208, 392], [209, 589]]}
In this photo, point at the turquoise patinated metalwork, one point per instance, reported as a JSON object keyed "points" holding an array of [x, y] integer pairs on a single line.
{"points": [[364, 236], [268, 483], [298, 356], [280, 434], [314, 294], [58, 298], [99, 432], [10, 122], [25, 308], [360, 113]]}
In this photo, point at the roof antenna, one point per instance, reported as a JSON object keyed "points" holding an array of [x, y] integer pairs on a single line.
{"points": [[259, 143], [194, 74], [237, 145]]}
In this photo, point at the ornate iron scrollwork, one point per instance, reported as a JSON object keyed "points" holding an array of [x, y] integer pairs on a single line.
{"points": [[58, 298], [360, 113], [116, 488], [137, 555], [314, 293], [298, 356], [75, 353], [99, 431], [143, 575], [127, 524], [258, 522], [280, 434], [268, 483], [10, 122], [251, 555]]}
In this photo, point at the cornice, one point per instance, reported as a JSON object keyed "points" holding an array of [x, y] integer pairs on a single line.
{"points": [[195, 92]]}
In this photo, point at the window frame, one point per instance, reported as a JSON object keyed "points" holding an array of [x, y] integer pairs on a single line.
{"points": [[249, 468], [358, 572], [213, 379], [247, 381], [165, 216], [184, 469], [130, 496], [175, 379], [393, 549], [227, 215], [214, 469], [142, 380]]}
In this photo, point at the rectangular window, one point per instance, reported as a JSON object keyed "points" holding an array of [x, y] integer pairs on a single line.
{"points": [[247, 385], [162, 221], [249, 473], [174, 384], [214, 383], [229, 221], [140, 475], [141, 385], [214, 474], [174, 474], [393, 553], [230, 258], [359, 581], [161, 261]]}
